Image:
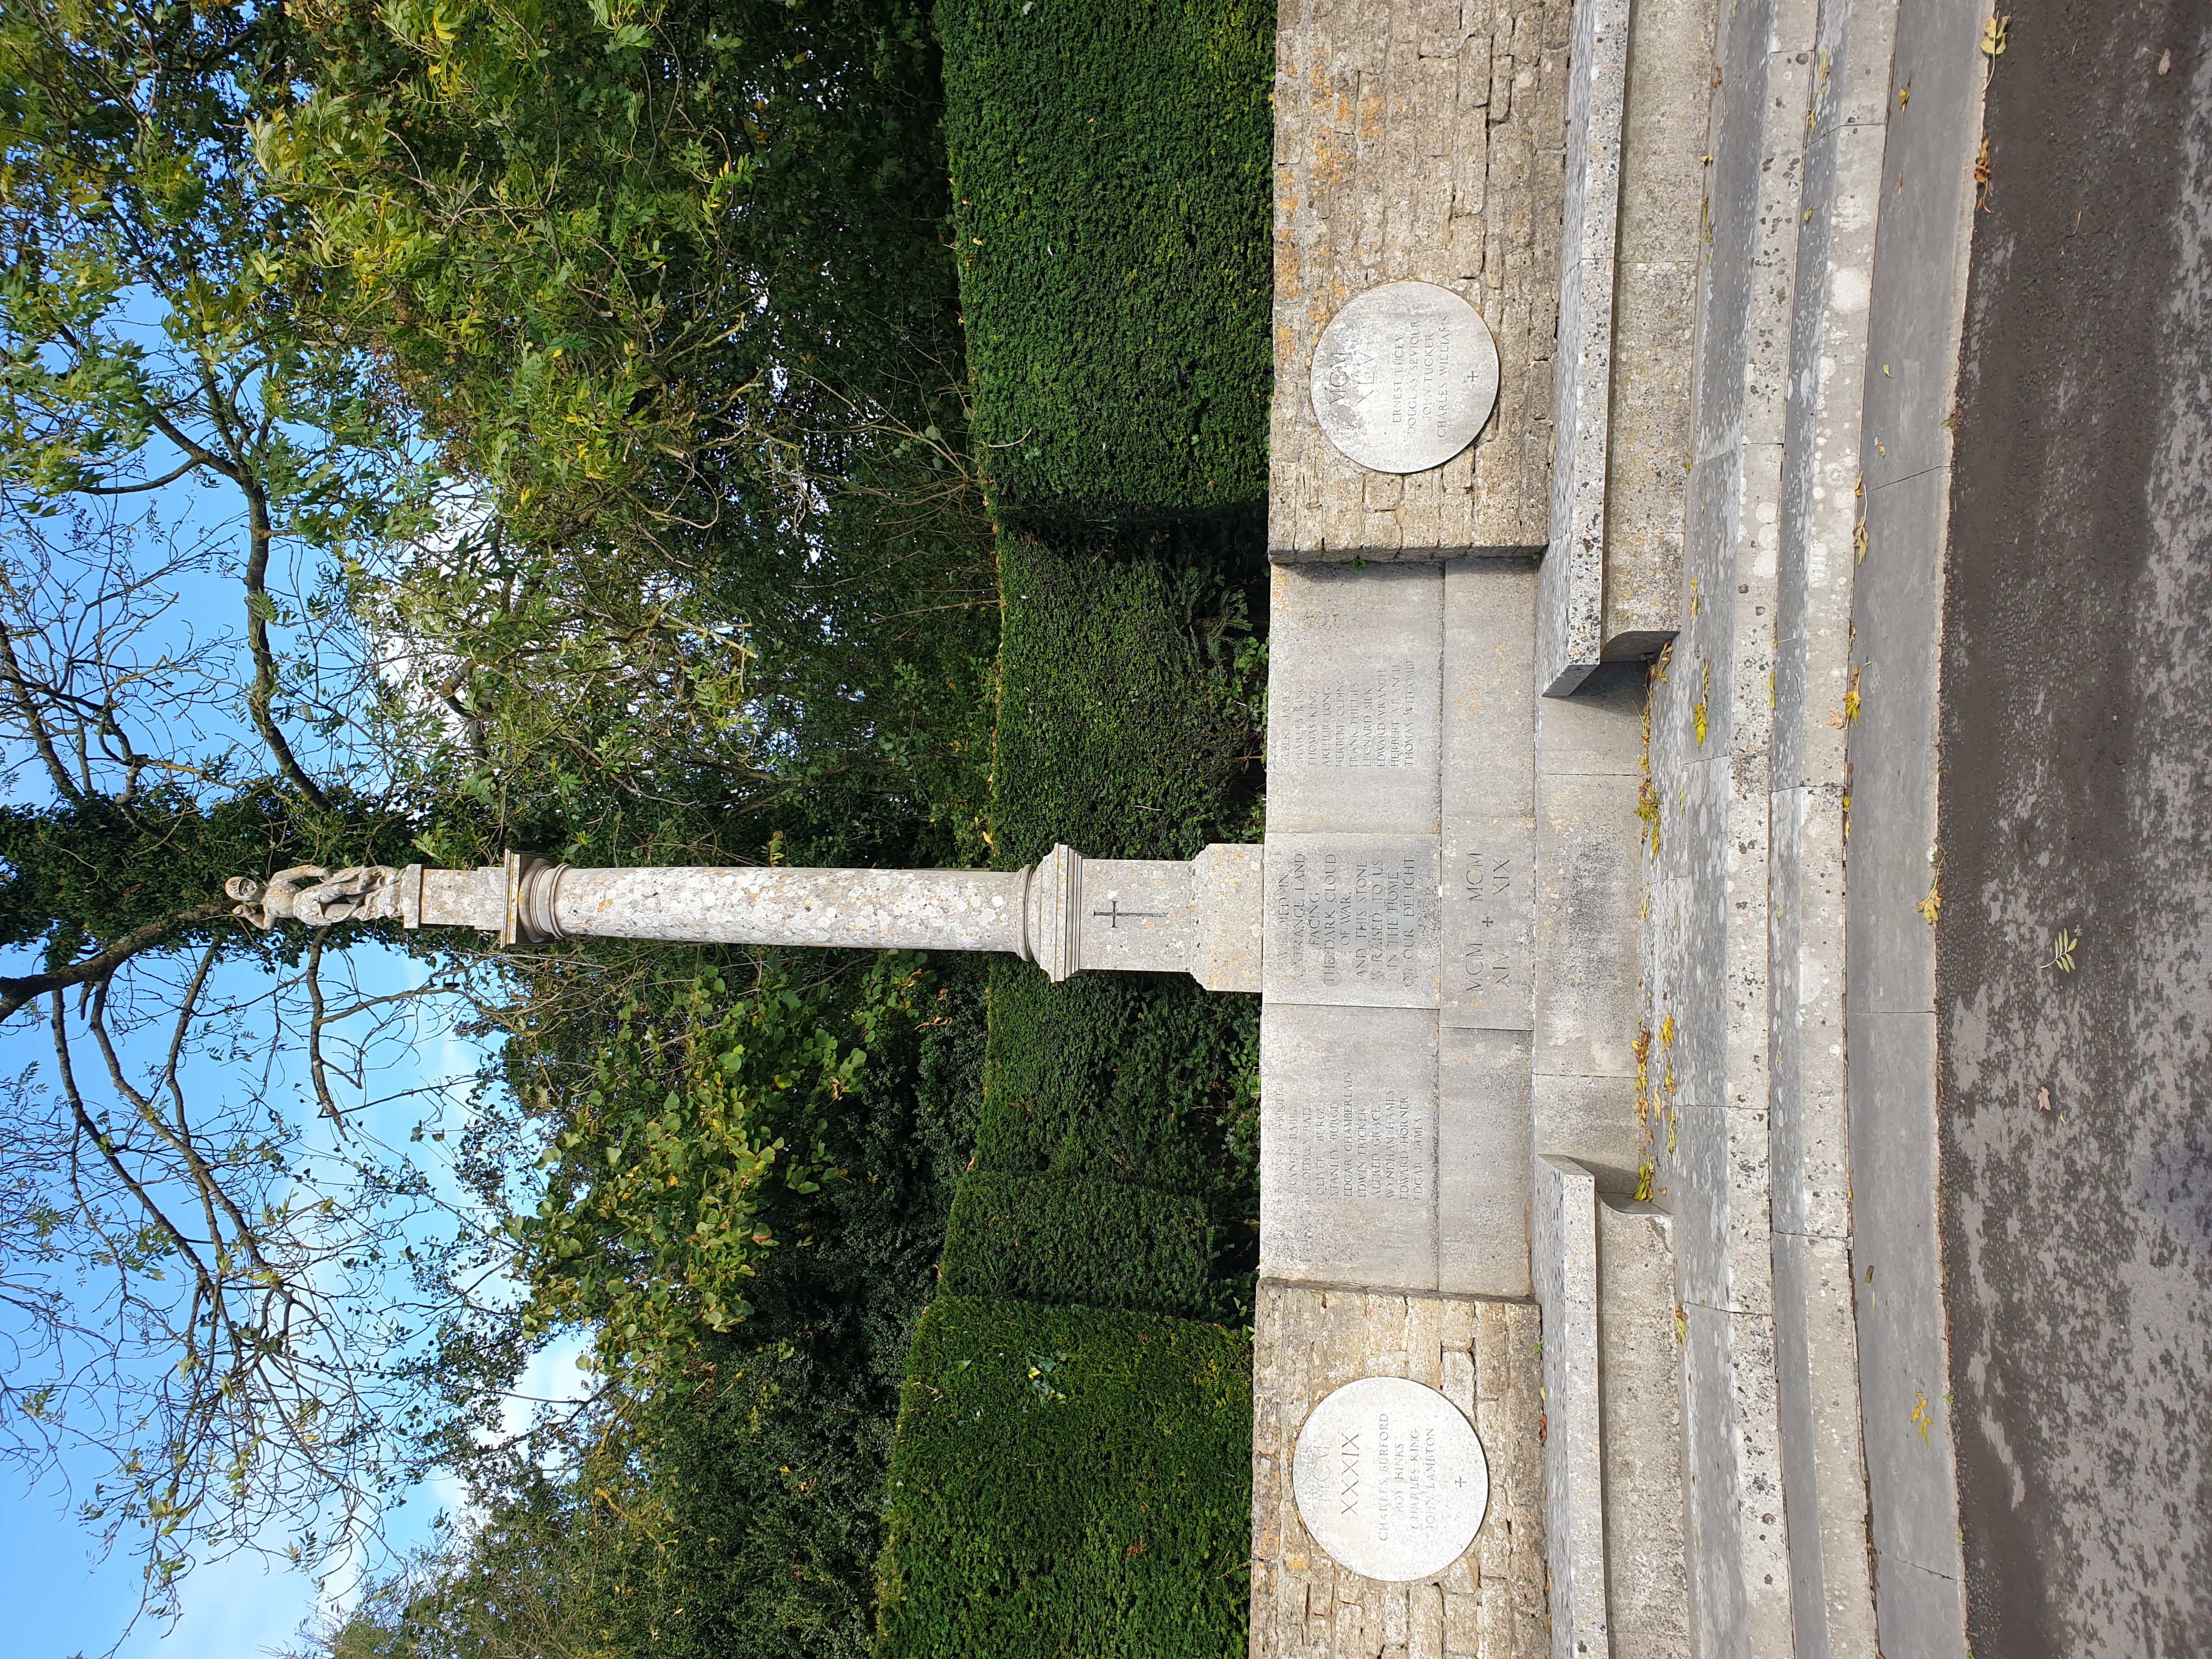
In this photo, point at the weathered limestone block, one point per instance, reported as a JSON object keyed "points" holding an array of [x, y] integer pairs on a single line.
{"points": [[1348, 1146], [1566, 1264], [1482, 1356], [1354, 678], [1640, 1414], [1488, 795], [1420, 140], [1663, 141]]}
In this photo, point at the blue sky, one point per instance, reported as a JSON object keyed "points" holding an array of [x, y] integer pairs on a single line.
{"points": [[63, 1600], [67, 1602]]}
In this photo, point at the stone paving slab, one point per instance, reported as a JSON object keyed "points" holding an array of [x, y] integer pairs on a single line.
{"points": [[1483, 1356], [1417, 140], [1483, 1121], [1488, 795]]}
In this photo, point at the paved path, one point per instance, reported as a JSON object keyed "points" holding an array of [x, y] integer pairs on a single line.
{"points": [[2077, 793]]}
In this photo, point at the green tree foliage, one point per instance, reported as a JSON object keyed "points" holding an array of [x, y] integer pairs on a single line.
{"points": [[604, 508], [666, 287], [738, 1513], [644, 267], [740, 1520], [145, 338], [203, 1318], [703, 1106]]}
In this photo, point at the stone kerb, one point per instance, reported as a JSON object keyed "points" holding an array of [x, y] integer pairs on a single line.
{"points": [[1570, 611], [1638, 105], [1565, 1222]]}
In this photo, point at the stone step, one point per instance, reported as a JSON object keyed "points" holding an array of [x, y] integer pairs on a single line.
{"points": [[1789, 836], [1613, 1507]]}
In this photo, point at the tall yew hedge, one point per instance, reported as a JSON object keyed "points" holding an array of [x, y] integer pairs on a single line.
{"points": [[1112, 203]]}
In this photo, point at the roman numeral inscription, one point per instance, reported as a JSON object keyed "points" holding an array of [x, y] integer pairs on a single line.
{"points": [[1390, 1478], [1489, 921]]}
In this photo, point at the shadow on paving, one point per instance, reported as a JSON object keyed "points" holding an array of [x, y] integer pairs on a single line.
{"points": [[2076, 794]]}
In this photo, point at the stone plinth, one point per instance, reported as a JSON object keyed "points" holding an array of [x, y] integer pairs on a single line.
{"points": [[1399, 967]]}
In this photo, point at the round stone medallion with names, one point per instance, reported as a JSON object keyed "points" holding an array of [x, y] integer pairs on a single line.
{"points": [[1404, 377], [1390, 1478]]}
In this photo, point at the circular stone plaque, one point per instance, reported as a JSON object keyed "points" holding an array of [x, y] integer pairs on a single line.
{"points": [[1404, 377], [1390, 1478]]}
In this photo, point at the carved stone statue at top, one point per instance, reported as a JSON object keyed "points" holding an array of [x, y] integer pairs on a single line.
{"points": [[318, 896], [1066, 912]]}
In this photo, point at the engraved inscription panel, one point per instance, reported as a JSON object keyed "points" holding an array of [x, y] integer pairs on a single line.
{"points": [[1404, 377], [1358, 1142], [1370, 721], [1390, 1478], [1354, 689], [1348, 1146], [1353, 920], [1489, 926]]}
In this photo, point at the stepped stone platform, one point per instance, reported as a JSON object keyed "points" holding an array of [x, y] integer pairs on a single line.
{"points": [[1559, 1075], [1450, 863]]}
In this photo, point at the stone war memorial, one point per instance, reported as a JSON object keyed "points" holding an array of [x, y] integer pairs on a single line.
{"points": [[1555, 1350]]}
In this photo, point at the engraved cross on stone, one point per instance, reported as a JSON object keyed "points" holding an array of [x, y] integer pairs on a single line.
{"points": [[1115, 915]]}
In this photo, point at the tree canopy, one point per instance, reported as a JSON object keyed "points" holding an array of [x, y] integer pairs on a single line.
{"points": [[425, 429]]}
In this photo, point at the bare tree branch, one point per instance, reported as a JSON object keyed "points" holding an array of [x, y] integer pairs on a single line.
{"points": [[34, 724], [161, 482], [17, 991]]}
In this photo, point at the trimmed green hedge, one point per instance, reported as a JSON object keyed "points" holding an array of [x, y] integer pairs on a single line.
{"points": [[1117, 1077], [1130, 691], [1069, 1485], [1129, 713], [1074, 1479], [1111, 171], [1103, 1243]]}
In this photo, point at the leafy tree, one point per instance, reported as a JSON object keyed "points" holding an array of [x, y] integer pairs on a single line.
{"points": [[446, 637], [650, 270], [222, 1342], [738, 1514], [667, 285]]}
